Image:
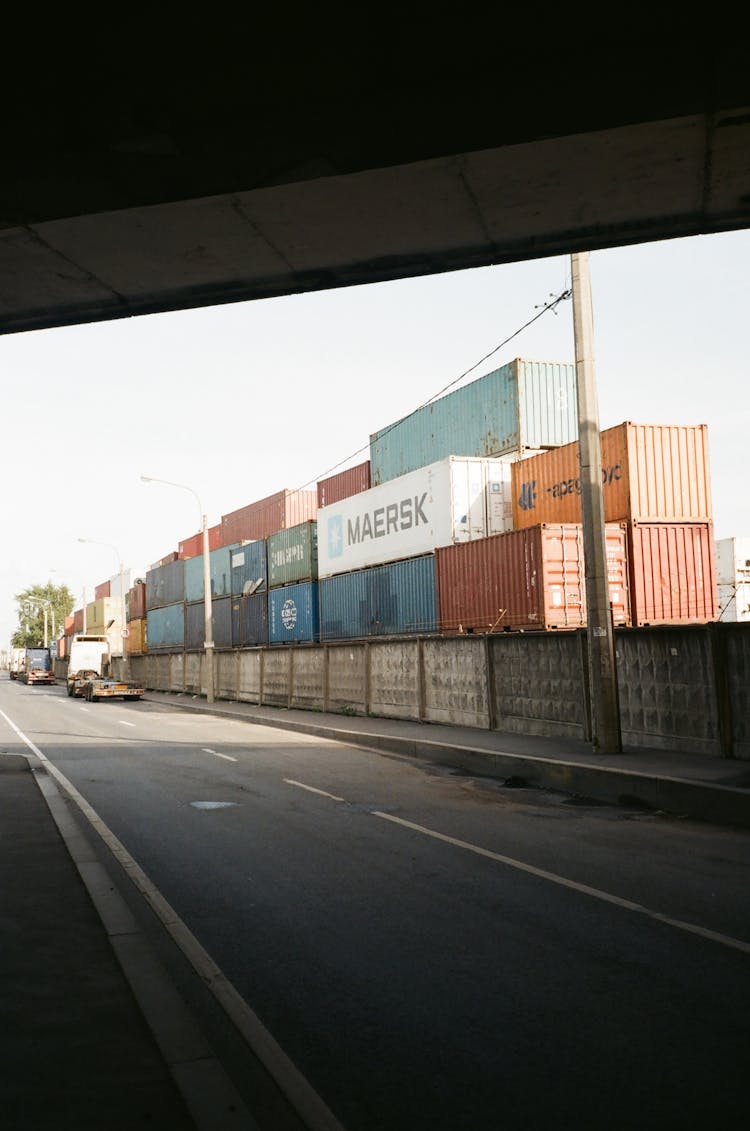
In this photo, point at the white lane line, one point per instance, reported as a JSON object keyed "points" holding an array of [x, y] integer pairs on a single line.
{"points": [[83, 708], [312, 789], [216, 754], [314, 1113], [572, 885], [124, 724]]}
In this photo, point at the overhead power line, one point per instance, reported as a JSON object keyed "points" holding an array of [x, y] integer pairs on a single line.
{"points": [[543, 309]]}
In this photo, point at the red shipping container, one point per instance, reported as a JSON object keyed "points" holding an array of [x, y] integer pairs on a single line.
{"points": [[268, 516], [167, 560], [137, 601], [69, 625], [346, 483], [525, 579], [192, 547], [672, 572], [78, 620], [101, 590]]}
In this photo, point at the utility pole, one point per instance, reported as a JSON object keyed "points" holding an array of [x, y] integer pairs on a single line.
{"points": [[605, 707]]}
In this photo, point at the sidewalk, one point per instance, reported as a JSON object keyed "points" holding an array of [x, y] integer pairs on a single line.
{"points": [[716, 790]]}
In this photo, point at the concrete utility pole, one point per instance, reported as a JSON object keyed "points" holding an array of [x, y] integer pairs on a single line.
{"points": [[605, 707]]}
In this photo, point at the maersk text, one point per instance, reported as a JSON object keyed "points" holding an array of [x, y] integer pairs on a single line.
{"points": [[405, 515]]}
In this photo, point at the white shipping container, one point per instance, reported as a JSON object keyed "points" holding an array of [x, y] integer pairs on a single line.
{"points": [[733, 574], [457, 499]]}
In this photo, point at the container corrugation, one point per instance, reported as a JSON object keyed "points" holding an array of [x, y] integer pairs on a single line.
{"points": [[69, 624], [672, 573], [62, 648], [221, 575], [221, 625], [524, 404], [250, 620], [249, 565], [397, 599], [137, 601], [166, 560], [165, 585], [193, 546], [650, 473], [165, 628], [344, 484], [293, 554], [526, 579], [137, 637], [102, 590], [275, 512], [452, 500], [293, 614], [103, 610], [78, 617]]}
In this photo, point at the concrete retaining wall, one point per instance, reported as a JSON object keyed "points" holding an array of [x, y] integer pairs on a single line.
{"points": [[681, 688]]}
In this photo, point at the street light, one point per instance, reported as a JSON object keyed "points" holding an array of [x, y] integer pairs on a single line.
{"points": [[93, 542], [207, 609]]}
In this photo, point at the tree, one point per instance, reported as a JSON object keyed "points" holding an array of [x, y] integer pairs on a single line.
{"points": [[58, 601]]}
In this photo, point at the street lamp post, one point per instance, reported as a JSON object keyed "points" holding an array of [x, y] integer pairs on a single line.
{"points": [[207, 607], [122, 593]]}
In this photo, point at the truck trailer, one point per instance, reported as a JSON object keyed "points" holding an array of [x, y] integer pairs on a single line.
{"points": [[89, 672], [37, 667]]}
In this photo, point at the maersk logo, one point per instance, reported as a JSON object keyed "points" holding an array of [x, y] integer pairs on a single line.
{"points": [[404, 515]]}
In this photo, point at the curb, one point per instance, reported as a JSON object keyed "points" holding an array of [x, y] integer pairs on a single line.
{"points": [[686, 798]]}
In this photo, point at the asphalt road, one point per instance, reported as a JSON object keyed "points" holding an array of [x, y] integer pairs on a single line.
{"points": [[432, 950]]}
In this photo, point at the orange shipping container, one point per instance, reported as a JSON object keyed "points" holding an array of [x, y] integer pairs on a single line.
{"points": [[268, 516], [525, 579], [672, 572], [650, 473], [137, 637]]}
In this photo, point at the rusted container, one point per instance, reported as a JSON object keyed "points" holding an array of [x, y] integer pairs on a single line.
{"points": [[650, 473], [102, 590], [166, 560], [267, 516], [69, 625], [137, 639], [137, 601], [78, 620], [193, 546], [672, 572], [526, 579], [62, 648], [344, 484]]}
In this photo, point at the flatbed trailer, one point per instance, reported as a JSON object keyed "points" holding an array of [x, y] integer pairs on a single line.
{"points": [[92, 690]]}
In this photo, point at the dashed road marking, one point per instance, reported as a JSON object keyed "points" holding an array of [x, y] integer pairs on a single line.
{"points": [[312, 789], [216, 754]]}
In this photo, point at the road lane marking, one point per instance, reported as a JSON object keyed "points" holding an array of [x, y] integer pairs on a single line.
{"points": [[124, 724], [312, 789], [83, 708], [216, 754], [295, 1087], [571, 885]]}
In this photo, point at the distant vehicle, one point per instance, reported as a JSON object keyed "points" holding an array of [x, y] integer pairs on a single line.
{"points": [[89, 668], [37, 666], [16, 662]]}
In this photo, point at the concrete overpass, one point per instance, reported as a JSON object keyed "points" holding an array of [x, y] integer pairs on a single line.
{"points": [[135, 185]]}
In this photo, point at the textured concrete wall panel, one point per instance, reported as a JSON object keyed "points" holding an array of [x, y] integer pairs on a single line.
{"points": [[394, 679], [276, 676], [538, 683], [308, 678], [347, 678], [738, 678], [248, 687], [456, 681]]}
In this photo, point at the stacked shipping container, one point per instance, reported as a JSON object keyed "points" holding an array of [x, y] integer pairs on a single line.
{"points": [[656, 479], [733, 571]]}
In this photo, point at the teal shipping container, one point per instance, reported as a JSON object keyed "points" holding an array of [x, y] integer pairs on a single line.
{"points": [[165, 584], [397, 599], [523, 405], [293, 555], [220, 563], [165, 628]]}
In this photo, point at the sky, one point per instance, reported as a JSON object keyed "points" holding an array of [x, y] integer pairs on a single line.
{"points": [[242, 400]]}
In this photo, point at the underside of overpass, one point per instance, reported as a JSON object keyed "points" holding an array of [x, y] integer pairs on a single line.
{"points": [[137, 186]]}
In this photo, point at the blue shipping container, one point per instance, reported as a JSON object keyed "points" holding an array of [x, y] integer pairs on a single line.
{"points": [[165, 628], [221, 575], [221, 624], [524, 404], [249, 568], [165, 585], [398, 599], [250, 620], [293, 613]]}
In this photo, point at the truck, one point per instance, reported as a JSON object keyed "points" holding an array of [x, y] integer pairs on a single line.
{"points": [[37, 667], [16, 662], [89, 672]]}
